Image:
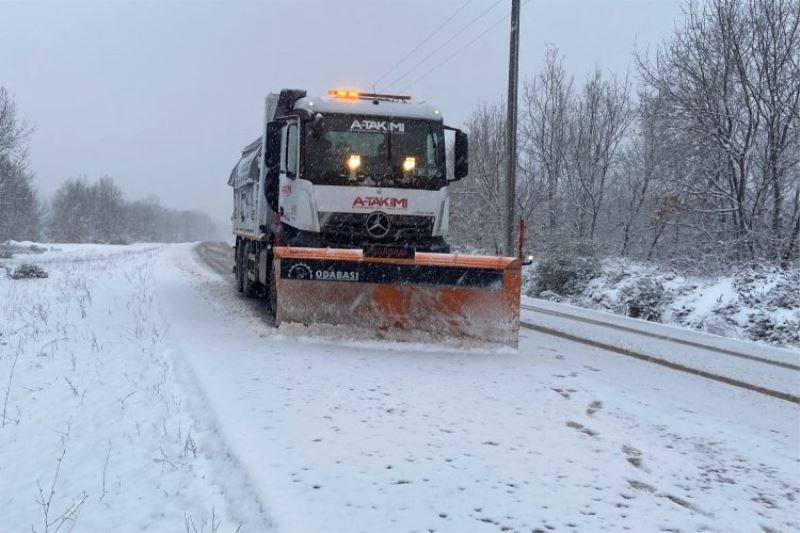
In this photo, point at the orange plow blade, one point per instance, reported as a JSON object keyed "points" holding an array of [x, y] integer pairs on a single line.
{"points": [[443, 294]]}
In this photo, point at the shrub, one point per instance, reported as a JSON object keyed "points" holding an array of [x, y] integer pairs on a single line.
{"points": [[762, 326], [566, 269], [768, 287], [28, 271], [785, 293], [8, 249], [749, 283], [644, 297]]}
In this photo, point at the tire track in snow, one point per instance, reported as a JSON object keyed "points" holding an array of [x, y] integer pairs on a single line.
{"points": [[217, 255], [243, 499], [663, 362], [733, 353]]}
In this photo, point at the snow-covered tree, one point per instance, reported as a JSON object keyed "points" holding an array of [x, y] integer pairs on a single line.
{"points": [[547, 103], [730, 79], [703, 166], [477, 202]]}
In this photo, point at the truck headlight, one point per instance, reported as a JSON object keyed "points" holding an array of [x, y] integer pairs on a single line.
{"points": [[409, 163], [354, 162]]}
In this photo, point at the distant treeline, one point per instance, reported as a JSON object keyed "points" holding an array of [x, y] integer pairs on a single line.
{"points": [[98, 212], [80, 211]]}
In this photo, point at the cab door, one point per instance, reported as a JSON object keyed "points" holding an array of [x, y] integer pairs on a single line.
{"points": [[296, 194], [289, 166]]}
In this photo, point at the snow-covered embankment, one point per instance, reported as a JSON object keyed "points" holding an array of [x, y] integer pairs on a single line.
{"points": [[96, 432]]}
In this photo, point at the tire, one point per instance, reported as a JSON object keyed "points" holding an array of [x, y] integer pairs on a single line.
{"points": [[248, 286], [272, 292], [238, 264]]}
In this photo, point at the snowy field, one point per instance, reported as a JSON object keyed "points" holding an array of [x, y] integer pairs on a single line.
{"points": [[96, 434], [143, 393]]}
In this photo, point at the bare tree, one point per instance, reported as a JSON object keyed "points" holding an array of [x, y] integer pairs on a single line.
{"points": [[704, 166], [600, 120], [775, 86], [107, 210], [20, 209], [547, 104], [70, 213], [14, 132], [477, 202], [730, 79], [640, 165]]}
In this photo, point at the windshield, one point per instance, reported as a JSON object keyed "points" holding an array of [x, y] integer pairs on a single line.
{"points": [[375, 151]]}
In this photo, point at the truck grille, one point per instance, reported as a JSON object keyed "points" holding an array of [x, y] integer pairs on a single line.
{"points": [[351, 228]]}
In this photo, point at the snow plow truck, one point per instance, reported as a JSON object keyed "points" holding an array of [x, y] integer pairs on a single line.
{"points": [[341, 216]]}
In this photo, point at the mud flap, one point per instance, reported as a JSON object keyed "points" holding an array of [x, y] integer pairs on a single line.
{"points": [[462, 296]]}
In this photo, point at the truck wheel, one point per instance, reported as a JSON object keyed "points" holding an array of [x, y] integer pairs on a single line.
{"points": [[238, 264], [248, 286], [273, 293]]}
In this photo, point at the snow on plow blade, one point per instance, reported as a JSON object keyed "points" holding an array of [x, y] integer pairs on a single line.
{"points": [[449, 294]]}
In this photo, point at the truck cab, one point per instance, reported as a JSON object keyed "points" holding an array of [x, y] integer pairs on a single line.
{"points": [[350, 169], [343, 170]]}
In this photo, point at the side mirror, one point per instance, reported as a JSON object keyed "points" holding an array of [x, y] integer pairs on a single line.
{"points": [[272, 149], [461, 164]]}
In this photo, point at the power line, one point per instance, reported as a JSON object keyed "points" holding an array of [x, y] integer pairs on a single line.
{"points": [[448, 41], [425, 40], [451, 56]]}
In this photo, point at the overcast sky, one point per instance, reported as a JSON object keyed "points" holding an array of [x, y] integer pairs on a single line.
{"points": [[163, 95]]}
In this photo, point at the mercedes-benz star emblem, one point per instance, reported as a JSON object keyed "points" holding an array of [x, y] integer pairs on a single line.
{"points": [[378, 224]]}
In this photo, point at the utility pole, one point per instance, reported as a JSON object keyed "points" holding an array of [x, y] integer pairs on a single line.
{"points": [[511, 130]]}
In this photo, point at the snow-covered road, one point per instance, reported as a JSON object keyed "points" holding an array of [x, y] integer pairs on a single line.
{"points": [[138, 384], [765, 369], [359, 435]]}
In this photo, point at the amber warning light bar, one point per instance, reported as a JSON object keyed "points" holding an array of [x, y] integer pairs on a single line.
{"points": [[353, 95]]}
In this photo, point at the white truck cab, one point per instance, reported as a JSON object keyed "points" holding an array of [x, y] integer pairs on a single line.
{"points": [[345, 170]]}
